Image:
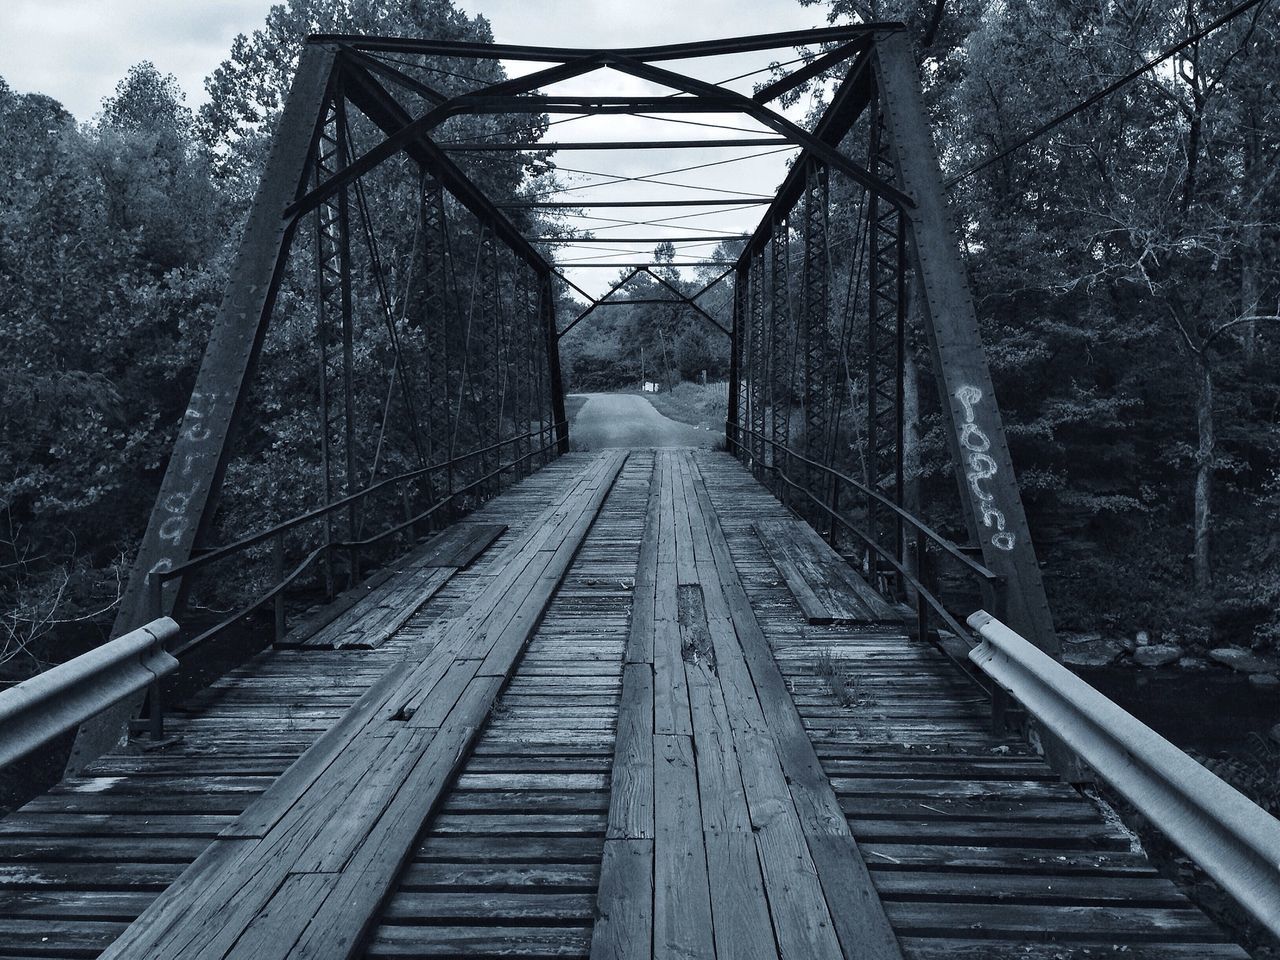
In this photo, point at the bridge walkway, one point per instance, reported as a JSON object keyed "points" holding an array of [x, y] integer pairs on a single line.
{"points": [[712, 775]]}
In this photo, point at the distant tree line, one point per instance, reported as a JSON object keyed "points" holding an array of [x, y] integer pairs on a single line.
{"points": [[618, 347]]}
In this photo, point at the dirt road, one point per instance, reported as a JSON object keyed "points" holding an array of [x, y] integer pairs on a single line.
{"points": [[628, 420]]}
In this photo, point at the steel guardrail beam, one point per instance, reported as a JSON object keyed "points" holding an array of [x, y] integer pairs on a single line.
{"points": [[672, 51], [1224, 832], [38, 710]]}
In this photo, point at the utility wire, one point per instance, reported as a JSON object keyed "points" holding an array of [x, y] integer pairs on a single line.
{"points": [[1108, 90], [381, 55]]}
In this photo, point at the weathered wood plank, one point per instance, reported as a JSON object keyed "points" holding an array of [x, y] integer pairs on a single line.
{"points": [[386, 786], [632, 797], [682, 898], [624, 913], [459, 544]]}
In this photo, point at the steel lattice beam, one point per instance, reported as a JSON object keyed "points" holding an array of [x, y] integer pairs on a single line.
{"points": [[193, 478], [759, 373], [815, 336], [781, 338], [989, 492], [436, 299], [334, 332], [886, 342]]}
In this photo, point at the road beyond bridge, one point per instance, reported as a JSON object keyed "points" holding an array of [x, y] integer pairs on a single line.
{"points": [[627, 420]]}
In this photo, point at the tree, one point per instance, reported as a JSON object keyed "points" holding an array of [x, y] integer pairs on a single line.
{"points": [[104, 293], [1123, 265]]}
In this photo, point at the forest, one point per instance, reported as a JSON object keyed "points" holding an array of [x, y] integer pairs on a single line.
{"points": [[1125, 264]]}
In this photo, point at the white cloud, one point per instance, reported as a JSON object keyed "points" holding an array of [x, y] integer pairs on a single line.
{"points": [[77, 50]]}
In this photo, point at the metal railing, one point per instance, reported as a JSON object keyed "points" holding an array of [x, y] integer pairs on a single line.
{"points": [[284, 579], [36, 711], [922, 579], [1229, 836]]}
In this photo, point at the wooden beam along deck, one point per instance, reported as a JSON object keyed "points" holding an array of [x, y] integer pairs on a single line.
{"points": [[653, 718]]}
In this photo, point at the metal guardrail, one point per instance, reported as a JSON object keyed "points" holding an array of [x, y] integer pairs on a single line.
{"points": [[35, 711], [1229, 836], [283, 579], [922, 580]]}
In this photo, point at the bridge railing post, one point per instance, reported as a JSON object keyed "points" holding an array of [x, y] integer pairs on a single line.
{"points": [[833, 500], [154, 701], [998, 604], [277, 559], [924, 576], [411, 531]]}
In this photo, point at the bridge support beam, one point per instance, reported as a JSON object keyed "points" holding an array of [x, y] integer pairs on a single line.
{"points": [[189, 491], [989, 491]]}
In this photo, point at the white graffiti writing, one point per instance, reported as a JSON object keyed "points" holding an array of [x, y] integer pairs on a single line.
{"points": [[160, 566], [177, 504], [981, 467], [194, 428]]}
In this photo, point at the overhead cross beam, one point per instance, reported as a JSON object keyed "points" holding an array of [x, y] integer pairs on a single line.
{"points": [[679, 298], [652, 54], [512, 97]]}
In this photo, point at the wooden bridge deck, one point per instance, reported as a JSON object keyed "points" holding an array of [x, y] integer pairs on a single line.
{"points": [[616, 733]]}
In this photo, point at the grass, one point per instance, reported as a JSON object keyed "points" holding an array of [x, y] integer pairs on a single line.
{"points": [[572, 404], [848, 690], [704, 406]]}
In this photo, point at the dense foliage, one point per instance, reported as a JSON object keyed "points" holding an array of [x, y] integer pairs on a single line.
{"points": [[1126, 272], [617, 347]]}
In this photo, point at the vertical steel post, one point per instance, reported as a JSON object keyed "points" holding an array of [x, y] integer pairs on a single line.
{"points": [[437, 316], [924, 577], [989, 494], [734, 415], [885, 357], [559, 422], [485, 337], [277, 563], [814, 328], [334, 308], [519, 366], [780, 346], [759, 369], [348, 332]]}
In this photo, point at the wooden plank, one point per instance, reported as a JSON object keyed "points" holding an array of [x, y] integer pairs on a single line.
{"points": [[682, 898], [479, 940], [459, 545], [846, 893], [824, 586], [284, 793], [624, 919], [313, 623], [671, 693], [398, 604], [631, 798], [356, 820], [644, 596], [740, 911]]}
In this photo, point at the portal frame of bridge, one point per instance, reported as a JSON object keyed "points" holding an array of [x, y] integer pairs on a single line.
{"points": [[901, 179]]}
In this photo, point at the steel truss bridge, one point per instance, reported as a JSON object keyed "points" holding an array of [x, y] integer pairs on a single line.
{"points": [[518, 701]]}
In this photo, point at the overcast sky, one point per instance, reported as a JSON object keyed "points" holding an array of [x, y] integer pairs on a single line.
{"points": [[77, 50]]}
